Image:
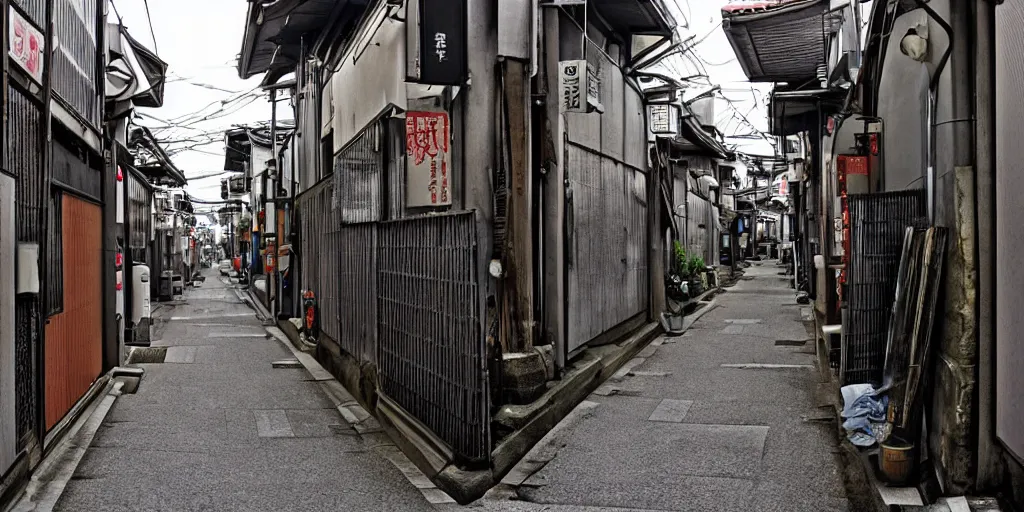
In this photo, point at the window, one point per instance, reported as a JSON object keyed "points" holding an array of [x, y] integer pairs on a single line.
{"points": [[53, 298]]}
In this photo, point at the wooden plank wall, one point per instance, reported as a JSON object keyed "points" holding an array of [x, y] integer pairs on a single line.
{"points": [[74, 349]]}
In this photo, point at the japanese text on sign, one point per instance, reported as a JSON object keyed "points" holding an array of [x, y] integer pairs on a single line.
{"points": [[26, 46], [427, 136], [571, 85], [441, 46]]}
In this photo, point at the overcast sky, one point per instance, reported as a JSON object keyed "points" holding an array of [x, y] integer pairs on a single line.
{"points": [[201, 39]]}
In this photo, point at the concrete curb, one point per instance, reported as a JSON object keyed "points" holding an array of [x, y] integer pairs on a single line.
{"points": [[423, 458], [52, 476], [364, 423], [546, 449]]}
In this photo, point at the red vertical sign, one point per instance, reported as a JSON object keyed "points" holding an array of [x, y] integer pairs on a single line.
{"points": [[427, 136]]}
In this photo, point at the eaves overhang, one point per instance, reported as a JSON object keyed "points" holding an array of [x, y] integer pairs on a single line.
{"points": [[274, 30], [636, 17], [792, 112], [778, 40], [158, 168], [694, 140]]}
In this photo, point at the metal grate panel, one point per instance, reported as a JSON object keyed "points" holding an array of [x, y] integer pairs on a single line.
{"points": [[319, 250], [357, 291], [358, 172], [24, 160], [139, 211], [431, 350], [878, 223]]}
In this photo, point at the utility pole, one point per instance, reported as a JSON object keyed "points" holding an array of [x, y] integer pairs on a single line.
{"points": [[274, 183], [271, 217]]}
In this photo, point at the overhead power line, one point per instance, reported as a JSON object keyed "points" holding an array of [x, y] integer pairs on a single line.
{"points": [[151, 31]]}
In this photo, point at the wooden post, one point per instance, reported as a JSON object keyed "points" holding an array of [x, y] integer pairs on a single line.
{"points": [[519, 242]]}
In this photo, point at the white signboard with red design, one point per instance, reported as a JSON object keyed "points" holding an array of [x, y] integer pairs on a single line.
{"points": [[27, 45], [428, 158]]}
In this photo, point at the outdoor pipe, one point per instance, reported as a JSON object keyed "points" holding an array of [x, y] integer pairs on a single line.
{"points": [[933, 88]]}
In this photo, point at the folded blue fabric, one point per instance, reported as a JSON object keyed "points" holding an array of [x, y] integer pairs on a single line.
{"points": [[862, 407]]}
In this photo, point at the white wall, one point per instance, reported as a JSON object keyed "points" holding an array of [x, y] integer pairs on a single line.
{"points": [[371, 77]]}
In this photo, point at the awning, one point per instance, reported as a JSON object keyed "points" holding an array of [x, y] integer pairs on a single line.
{"points": [[135, 76], [274, 28], [238, 143], [795, 111], [236, 149], [637, 17], [152, 161], [694, 140], [778, 40]]}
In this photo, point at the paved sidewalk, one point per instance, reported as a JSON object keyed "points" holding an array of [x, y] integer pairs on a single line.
{"points": [[714, 420], [216, 428]]}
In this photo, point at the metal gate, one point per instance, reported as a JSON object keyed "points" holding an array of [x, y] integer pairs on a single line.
{"points": [[73, 344], [606, 216], [139, 210], [430, 355], [1009, 241], [878, 225]]}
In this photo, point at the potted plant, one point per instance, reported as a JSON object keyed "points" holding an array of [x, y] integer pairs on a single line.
{"points": [[679, 271], [696, 271]]}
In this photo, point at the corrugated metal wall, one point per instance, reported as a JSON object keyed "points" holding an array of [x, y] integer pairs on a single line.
{"points": [[35, 9], [431, 357], [75, 61], [23, 159], [608, 271], [1009, 409], [700, 227], [74, 352]]}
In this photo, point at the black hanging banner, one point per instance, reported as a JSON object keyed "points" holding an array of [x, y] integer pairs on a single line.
{"points": [[442, 42]]}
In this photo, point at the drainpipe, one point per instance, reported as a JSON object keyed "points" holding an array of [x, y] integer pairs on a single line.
{"points": [[988, 470], [933, 88]]}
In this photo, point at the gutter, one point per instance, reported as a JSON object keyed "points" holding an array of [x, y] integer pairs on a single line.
{"points": [[248, 40]]}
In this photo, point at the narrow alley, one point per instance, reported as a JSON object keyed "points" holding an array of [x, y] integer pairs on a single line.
{"points": [[515, 255], [217, 427], [722, 418]]}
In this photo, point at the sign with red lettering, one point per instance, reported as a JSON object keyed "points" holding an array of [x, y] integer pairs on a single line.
{"points": [[26, 45], [428, 158]]}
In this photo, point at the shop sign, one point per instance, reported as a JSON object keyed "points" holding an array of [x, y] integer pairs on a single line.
{"points": [[26, 45], [662, 119], [442, 42], [578, 87], [428, 158]]}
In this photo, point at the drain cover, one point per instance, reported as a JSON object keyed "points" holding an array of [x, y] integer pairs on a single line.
{"points": [[790, 343], [287, 363]]}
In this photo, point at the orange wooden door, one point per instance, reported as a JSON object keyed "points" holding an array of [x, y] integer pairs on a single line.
{"points": [[74, 336]]}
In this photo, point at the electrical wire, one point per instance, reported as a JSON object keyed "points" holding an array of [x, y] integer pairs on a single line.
{"points": [[151, 31]]}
